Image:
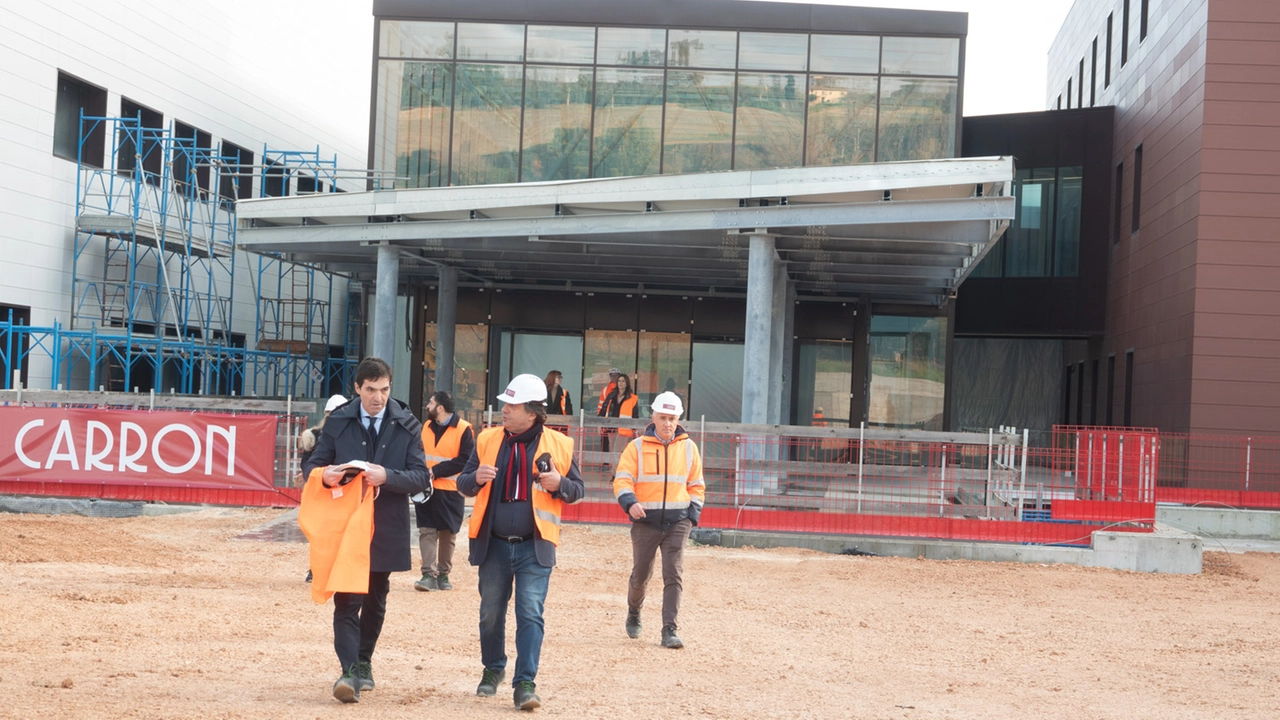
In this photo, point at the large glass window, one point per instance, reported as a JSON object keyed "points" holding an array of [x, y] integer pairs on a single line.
{"points": [[490, 43], [716, 391], [773, 51], [824, 379], [662, 364], [845, 53], [413, 118], [770, 121], [470, 361], [601, 351], [557, 123], [921, 56], [486, 124], [908, 372], [917, 119], [431, 40], [842, 120], [699, 122], [1044, 238], [628, 122], [549, 43], [702, 48], [631, 46]]}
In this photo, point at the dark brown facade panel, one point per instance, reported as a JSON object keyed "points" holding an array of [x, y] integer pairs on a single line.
{"points": [[1225, 30], [1245, 392], [611, 312], [1232, 420], [1211, 367], [1246, 52], [666, 313], [1246, 347], [1260, 74], [1232, 183], [1239, 205], [1230, 325], [1246, 229], [1233, 113], [538, 310], [1244, 162], [1244, 11], [719, 317], [825, 321], [1262, 253], [1243, 91]]}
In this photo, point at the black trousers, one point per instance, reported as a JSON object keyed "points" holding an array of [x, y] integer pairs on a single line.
{"points": [[357, 620]]}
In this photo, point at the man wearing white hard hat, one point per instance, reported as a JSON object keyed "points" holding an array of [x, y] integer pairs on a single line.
{"points": [[659, 485], [521, 475]]}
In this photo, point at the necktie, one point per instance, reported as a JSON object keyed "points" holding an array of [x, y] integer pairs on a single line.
{"points": [[373, 435]]}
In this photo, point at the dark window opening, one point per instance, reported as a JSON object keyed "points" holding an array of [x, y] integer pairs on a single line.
{"points": [[1080, 85], [191, 158], [1106, 77], [1093, 393], [235, 175], [1142, 21], [1124, 34], [1066, 395], [1115, 224], [1068, 93], [16, 346], [307, 185], [1111, 388], [140, 142], [75, 97], [1093, 75], [1128, 388], [275, 183], [1059, 107], [1137, 188], [1080, 393]]}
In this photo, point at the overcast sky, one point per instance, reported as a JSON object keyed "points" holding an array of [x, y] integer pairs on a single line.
{"points": [[1005, 63]]}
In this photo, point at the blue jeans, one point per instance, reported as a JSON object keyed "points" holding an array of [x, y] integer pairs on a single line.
{"points": [[504, 565]]}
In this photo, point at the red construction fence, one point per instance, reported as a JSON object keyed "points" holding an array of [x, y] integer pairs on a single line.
{"points": [[965, 486]]}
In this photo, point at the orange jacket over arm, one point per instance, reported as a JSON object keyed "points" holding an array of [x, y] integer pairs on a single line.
{"points": [[338, 523]]}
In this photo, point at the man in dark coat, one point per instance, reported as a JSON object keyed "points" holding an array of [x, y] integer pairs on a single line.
{"points": [[380, 431]]}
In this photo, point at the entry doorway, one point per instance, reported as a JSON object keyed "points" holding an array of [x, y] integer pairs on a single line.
{"points": [[538, 354]]}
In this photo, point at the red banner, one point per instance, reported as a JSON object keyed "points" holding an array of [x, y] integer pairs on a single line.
{"points": [[136, 447]]}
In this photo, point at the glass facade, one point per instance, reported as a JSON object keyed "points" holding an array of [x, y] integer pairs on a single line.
{"points": [[1044, 238], [482, 103], [470, 362], [908, 372]]}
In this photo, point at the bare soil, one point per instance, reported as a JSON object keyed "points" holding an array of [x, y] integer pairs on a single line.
{"points": [[173, 617]]}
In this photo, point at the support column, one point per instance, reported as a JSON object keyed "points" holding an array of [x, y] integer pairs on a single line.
{"points": [[780, 334], [384, 307], [446, 327], [757, 380]]}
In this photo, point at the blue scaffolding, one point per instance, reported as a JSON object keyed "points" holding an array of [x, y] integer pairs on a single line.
{"points": [[153, 277]]}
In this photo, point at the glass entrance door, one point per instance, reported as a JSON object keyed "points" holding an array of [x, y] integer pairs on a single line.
{"points": [[539, 354]]}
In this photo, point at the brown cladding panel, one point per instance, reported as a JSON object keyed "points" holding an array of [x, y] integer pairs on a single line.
{"points": [[666, 313], [536, 310], [611, 312], [825, 320], [719, 317]]}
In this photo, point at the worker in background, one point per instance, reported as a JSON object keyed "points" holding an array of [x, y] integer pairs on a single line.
{"points": [[659, 485], [380, 431], [521, 475], [621, 403], [604, 396], [819, 420], [447, 441], [307, 440], [559, 402]]}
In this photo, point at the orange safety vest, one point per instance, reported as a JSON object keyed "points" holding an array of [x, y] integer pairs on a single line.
{"points": [[338, 523], [818, 420], [546, 509], [662, 476], [447, 449], [604, 394], [626, 410]]}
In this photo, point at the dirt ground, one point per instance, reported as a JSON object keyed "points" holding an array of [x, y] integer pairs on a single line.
{"points": [[172, 617]]}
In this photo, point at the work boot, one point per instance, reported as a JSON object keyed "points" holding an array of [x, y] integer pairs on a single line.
{"points": [[442, 582], [633, 624], [364, 673], [524, 696], [427, 583], [308, 576], [489, 682], [347, 688], [670, 639]]}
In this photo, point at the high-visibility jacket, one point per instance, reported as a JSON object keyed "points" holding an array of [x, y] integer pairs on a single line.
{"points": [[338, 523], [561, 403], [627, 409], [446, 449], [665, 478], [604, 394], [819, 420], [546, 509]]}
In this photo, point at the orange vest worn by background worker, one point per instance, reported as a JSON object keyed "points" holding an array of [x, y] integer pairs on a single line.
{"points": [[627, 409], [546, 509], [447, 449], [338, 523], [666, 478], [604, 394]]}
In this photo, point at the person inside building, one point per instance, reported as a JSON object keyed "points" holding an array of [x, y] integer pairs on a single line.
{"points": [[521, 475], [621, 403], [659, 485], [608, 390], [559, 402], [381, 432], [448, 442], [307, 440]]}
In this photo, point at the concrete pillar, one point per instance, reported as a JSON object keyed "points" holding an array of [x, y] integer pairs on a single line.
{"points": [[446, 327], [779, 334], [384, 306], [757, 380]]}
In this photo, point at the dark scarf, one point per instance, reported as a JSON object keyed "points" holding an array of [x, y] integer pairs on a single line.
{"points": [[517, 479]]}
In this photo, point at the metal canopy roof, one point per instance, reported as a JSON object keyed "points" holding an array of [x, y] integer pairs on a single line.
{"points": [[906, 232]]}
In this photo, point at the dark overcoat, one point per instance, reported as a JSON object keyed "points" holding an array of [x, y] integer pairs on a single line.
{"points": [[399, 450]]}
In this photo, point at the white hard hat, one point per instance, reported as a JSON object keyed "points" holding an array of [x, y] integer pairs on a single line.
{"points": [[669, 403], [334, 403], [524, 388]]}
